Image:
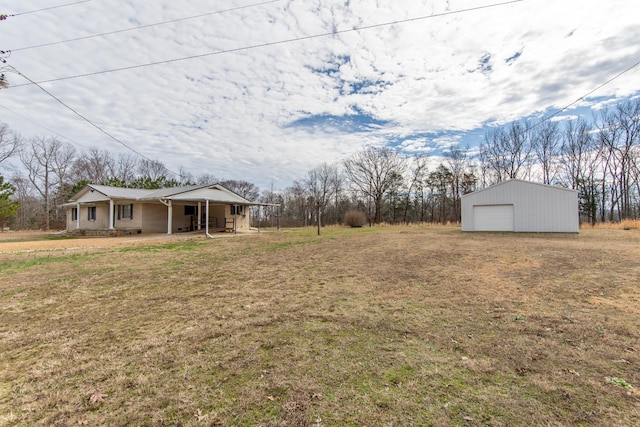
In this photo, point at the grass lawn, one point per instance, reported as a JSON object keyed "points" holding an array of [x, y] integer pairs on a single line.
{"points": [[389, 326]]}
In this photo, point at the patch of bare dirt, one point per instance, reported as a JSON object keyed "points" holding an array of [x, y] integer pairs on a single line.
{"points": [[41, 241]]}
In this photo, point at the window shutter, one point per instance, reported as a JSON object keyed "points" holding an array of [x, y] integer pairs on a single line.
{"points": [[131, 212]]}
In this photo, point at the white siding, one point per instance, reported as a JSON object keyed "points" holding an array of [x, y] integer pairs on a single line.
{"points": [[536, 207], [92, 197], [154, 217], [135, 222]]}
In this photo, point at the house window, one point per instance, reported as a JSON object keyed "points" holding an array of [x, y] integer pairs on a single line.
{"points": [[189, 210], [125, 211], [237, 210], [92, 213], [74, 214]]}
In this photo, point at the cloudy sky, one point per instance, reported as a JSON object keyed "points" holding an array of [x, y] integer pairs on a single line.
{"points": [[266, 90]]}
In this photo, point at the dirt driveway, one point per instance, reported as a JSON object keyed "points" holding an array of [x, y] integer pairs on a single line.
{"points": [[28, 241]]}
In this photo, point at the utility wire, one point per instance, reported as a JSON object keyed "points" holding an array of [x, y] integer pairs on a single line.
{"points": [[566, 107], [147, 25], [88, 121], [279, 42], [47, 8], [43, 127]]}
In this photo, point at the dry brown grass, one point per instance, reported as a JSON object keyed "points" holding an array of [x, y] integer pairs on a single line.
{"points": [[383, 326], [627, 224]]}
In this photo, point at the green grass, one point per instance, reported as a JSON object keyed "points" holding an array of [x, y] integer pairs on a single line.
{"points": [[29, 260]]}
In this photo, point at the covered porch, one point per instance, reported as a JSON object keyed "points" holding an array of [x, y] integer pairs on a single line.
{"points": [[108, 210]]}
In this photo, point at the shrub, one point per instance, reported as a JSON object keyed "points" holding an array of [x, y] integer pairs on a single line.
{"points": [[355, 219]]}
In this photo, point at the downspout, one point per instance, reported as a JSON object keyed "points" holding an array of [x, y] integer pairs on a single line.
{"points": [[235, 219], [199, 215], [169, 214], [206, 224]]}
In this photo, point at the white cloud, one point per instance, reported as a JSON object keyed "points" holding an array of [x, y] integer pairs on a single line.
{"points": [[229, 114]]}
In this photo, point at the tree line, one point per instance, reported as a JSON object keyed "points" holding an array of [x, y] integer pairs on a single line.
{"points": [[53, 171], [599, 159]]}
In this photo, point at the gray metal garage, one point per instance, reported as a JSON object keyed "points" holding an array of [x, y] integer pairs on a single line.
{"points": [[521, 206]]}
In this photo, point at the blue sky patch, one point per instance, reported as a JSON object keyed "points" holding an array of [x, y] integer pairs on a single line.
{"points": [[331, 67], [358, 122], [484, 64], [513, 57], [363, 86]]}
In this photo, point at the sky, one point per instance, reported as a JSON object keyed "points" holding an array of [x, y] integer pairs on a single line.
{"points": [[265, 90]]}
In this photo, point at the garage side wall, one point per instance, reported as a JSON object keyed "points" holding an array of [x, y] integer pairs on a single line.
{"points": [[536, 207]]}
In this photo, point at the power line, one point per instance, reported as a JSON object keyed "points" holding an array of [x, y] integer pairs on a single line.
{"points": [[279, 42], [48, 8], [146, 25], [566, 107], [43, 126], [87, 120]]}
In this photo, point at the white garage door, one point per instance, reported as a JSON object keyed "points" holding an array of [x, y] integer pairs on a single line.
{"points": [[493, 218]]}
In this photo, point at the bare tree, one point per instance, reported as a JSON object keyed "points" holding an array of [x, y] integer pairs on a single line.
{"points": [[374, 171], [577, 147], [546, 148], [95, 166], [338, 197], [440, 182], [418, 176], [185, 177], [505, 153], [635, 172], [30, 206], [62, 164], [9, 142], [321, 184], [457, 160], [270, 213], [242, 188], [125, 168], [579, 155], [152, 169], [206, 179], [296, 204], [47, 161], [619, 134], [628, 118]]}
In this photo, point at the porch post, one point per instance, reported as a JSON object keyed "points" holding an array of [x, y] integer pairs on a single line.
{"points": [[111, 217], [199, 215], [77, 216], [170, 217]]}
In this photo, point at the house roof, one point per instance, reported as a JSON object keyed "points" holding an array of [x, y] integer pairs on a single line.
{"points": [[212, 193], [189, 193], [112, 192]]}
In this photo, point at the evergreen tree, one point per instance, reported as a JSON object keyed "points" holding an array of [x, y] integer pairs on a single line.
{"points": [[8, 207]]}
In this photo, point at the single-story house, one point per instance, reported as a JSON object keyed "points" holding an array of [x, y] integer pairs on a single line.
{"points": [[521, 206], [101, 209]]}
